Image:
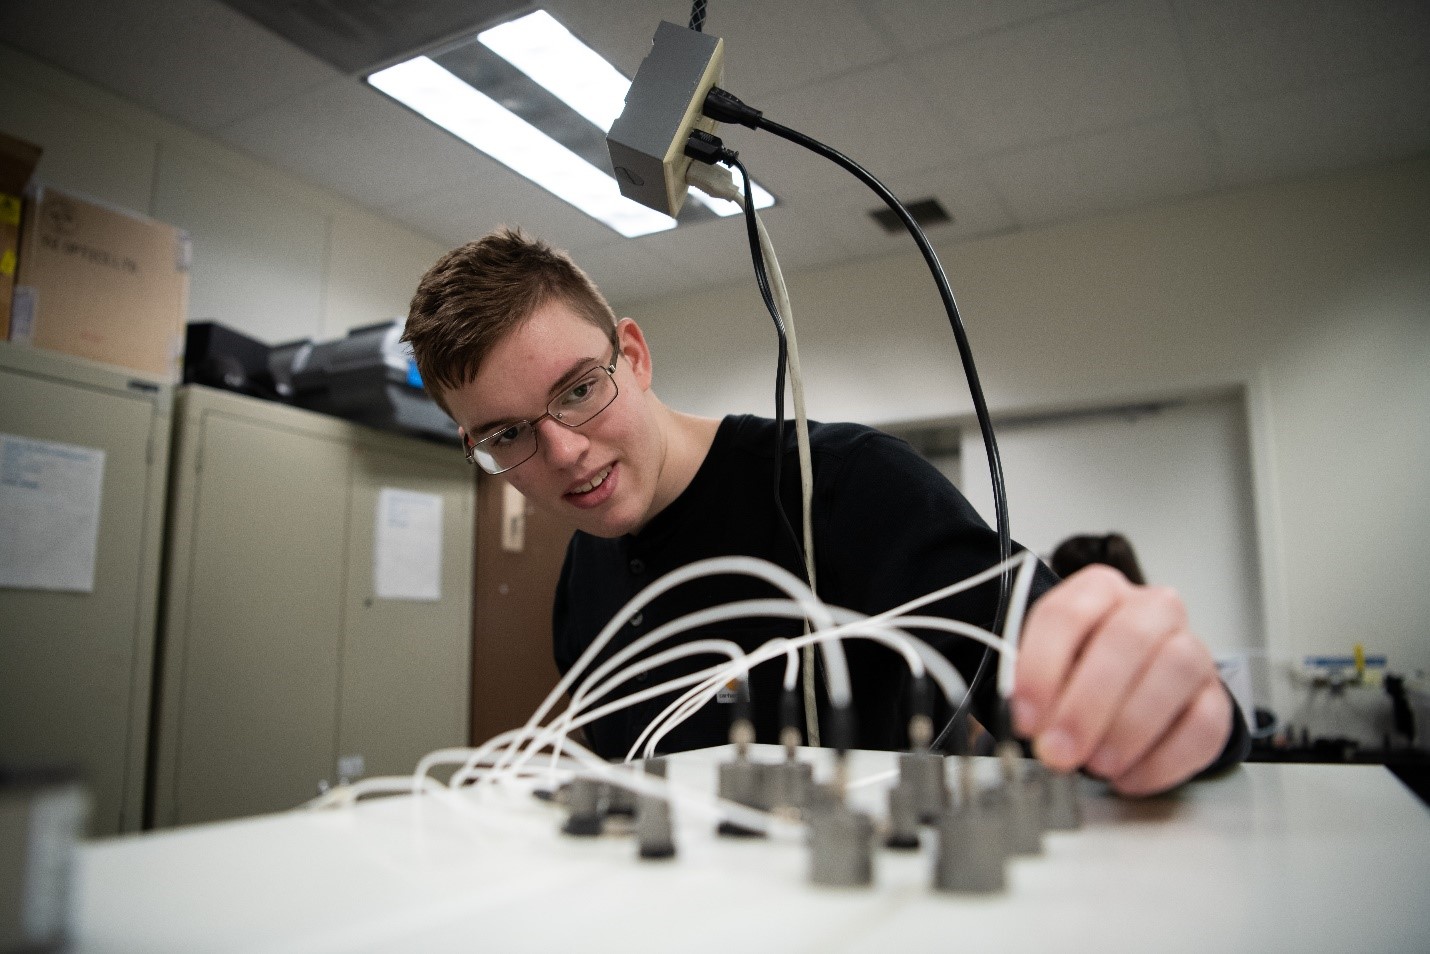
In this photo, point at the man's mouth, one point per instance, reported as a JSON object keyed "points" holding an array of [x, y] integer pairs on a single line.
{"points": [[593, 483]]}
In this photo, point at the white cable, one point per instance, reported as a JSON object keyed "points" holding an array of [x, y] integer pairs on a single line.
{"points": [[705, 617], [943, 672], [1012, 631], [777, 576], [503, 758], [811, 608], [586, 697], [718, 181], [344, 795]]}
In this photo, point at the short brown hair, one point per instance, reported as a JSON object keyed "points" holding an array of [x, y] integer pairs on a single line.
{"points": [[1113, 550], [478, 293]]}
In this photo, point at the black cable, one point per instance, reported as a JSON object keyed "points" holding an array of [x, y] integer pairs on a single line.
{"points": [[697, 15], [762, 280], [724, 107]]}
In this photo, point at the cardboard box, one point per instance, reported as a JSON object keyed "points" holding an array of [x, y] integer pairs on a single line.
{"points": [[17, 163], [101, 283]]}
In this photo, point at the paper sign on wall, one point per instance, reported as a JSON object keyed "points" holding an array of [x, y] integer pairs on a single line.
{"points": [[49, 514], [407, 548]]}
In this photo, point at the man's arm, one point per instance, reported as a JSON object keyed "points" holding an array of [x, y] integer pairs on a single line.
{"points": [[1110, 679]]}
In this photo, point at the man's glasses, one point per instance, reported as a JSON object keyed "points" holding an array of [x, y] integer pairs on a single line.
{"points": [[513, 444]]}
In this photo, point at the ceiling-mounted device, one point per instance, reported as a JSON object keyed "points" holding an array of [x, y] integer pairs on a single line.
{"points": [[647, 141]]}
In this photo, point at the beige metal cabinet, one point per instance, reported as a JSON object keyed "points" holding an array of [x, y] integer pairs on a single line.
{"points": [[75, 664], [281, 668]]}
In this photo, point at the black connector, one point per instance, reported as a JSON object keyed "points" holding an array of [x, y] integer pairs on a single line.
{"points": [[707, 148], [1001, 727], [726, 107], [920, 697], [843, 728], [742, 709], [920, 714], [791, 708]]}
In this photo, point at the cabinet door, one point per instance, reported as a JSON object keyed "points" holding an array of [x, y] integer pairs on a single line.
{"points": [[405, 675], [257, 640], [76, 667]]}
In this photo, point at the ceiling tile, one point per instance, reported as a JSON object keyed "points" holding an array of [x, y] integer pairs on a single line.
{"points": [[919, 24], [1094, 68], [348, 137], [1371, 119], [628, 276], [769, 47], [462, 211], [964, 192], [1249, 49], [878, 117], [1107, 172], [195, 61]]}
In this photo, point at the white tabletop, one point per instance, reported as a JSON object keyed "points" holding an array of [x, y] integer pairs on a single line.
{"points": [[1271, 857]]}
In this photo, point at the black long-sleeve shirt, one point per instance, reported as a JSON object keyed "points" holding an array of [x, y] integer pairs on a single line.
{"points": [[888, 527]]}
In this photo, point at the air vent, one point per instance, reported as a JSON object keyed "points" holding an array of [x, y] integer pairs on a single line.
{"points": [[926, 212]]}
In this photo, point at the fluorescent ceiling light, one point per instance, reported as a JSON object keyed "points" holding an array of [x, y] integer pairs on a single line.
{"points": [[549, 55], [581, 78], [569, 69], [433, 92]]}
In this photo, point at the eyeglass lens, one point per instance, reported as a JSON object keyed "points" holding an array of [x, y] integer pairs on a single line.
{"points": [[516, 443]]}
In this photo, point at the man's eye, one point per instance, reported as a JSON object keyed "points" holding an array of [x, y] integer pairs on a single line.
{"points": [[579, 393], [506, 437]]}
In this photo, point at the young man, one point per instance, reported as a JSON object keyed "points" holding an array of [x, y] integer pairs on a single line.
{"points": [[554, 393]]}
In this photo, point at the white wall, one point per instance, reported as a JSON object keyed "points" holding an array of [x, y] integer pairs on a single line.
{"points": [[274, 257], [1313, 296], [1175, 480]]}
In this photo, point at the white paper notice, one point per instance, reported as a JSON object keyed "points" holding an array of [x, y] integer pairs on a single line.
{"points": [[407, 549], [49, 514]]}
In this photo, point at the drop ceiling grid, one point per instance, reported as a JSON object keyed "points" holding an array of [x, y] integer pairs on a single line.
{"points": [[386, 154], [191, 61], [1012, 114]]}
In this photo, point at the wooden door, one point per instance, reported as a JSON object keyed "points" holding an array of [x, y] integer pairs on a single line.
{"points": [[516, 572]]}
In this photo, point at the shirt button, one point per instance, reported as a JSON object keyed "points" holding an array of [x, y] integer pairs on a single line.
{"points": [[637, 619], [637, 566]]}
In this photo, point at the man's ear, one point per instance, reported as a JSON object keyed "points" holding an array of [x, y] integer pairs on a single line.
{"points": [[635, 350]]}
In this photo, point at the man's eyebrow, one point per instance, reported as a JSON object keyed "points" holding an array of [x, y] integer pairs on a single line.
{"points": [[572, 373]]}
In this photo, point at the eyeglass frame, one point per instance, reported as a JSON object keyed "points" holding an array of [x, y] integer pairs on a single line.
{"points": [[470, 445]]}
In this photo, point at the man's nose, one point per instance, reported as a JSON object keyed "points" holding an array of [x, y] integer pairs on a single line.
{"points": [[560, 444]]}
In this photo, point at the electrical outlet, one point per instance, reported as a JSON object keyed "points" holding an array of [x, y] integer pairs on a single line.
{"points": [[647, 141]]}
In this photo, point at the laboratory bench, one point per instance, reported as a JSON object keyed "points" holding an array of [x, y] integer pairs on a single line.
{"points": [[1266, 857]]}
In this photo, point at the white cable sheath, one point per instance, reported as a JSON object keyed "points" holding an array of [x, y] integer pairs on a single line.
{"points": [[717, 181], [503, 757], [778, 576]]}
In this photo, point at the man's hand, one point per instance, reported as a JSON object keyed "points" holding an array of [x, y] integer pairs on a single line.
{"points": [[1110, 680]]}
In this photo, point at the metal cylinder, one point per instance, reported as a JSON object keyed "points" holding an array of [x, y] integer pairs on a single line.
{"points": [[971, 855], [841, 851], [584, 797], [922, 773], [903, 820]]}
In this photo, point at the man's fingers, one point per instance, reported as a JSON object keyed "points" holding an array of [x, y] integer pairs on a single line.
{"points": [[1193, 742], [1176, 674], [1113, 660], [1053, 636]]}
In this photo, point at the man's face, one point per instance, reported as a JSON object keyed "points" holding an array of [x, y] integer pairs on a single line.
{"points": [[601, 477]]}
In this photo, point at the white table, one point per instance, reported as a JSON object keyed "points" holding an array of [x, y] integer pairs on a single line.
{"points": [[1282, 857]]}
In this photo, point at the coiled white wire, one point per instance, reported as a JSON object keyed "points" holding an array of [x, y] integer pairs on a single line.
{"points": [[506, 756]]}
